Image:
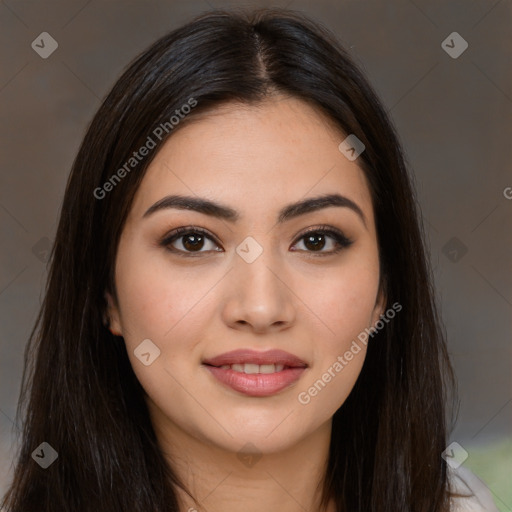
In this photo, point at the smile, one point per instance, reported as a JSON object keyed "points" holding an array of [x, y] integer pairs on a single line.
{"points": [[252, 368], [256, 373]]}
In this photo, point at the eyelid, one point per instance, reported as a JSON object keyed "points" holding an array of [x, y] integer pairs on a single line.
{"points": [[326, 229], [175, 234], [339, 237]]}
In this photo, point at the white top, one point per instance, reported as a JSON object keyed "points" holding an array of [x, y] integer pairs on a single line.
{"points": [[463, 481]]}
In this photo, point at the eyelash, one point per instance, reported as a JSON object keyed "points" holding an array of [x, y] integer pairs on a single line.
{"points": [[341, 240]]}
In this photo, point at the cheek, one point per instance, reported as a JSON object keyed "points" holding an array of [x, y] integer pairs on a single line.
{"points": [[345, 301], [157, 301], [160, 304]]}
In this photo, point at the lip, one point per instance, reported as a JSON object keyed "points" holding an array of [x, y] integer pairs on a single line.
{"points": [[243, 356], [256, 384]]}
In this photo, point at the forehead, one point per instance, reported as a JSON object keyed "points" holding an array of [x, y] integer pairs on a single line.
{"points": [[254, 158]]}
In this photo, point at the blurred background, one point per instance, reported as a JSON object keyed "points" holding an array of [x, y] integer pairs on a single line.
{"points": [[443, 70]]}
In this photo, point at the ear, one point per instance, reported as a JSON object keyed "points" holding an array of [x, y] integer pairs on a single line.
{"points": [[111, 316], [380, 306]]}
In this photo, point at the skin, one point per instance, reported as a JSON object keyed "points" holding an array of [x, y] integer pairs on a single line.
{"points": [[256, 160]]}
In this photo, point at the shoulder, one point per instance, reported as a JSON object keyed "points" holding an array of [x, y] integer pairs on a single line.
{"points": [[477, 497]]}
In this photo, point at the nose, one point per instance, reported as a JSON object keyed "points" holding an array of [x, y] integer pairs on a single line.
{"points": [[259, 296]]}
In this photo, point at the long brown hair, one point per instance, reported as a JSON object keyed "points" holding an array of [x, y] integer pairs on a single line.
{"points": [[79, 392]]}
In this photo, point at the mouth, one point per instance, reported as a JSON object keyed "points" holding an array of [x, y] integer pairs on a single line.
{"points": [[253, 368], [252, 358], [255, 373]]}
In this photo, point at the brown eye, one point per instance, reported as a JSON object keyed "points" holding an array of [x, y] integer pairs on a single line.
{"points": [[315, 240], [192, 241], [188, 241]]}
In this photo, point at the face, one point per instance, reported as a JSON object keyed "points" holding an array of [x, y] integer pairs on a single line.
{"points": [[253, 276]]}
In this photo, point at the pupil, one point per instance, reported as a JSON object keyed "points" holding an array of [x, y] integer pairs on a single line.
{"points": [[310, 240], [197, 241]]}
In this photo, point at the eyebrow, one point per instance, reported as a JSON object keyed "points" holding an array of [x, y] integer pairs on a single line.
{"points": [[224, 212]]}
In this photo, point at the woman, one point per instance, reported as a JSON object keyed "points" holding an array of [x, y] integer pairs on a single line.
{"points": [[239, 310]]}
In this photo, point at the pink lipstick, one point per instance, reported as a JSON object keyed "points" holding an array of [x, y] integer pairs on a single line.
{"points": [[256, 373]]}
